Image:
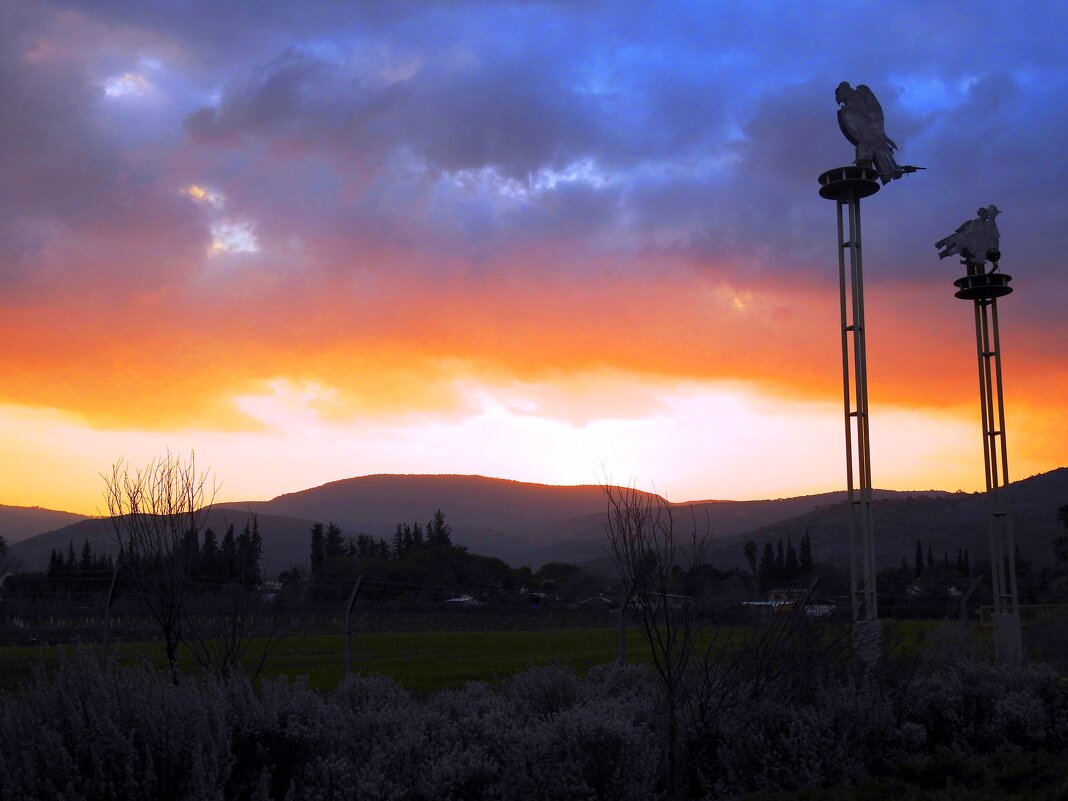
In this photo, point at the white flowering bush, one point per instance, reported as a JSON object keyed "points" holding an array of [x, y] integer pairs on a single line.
{"points": [[547, 734], [84, 734], [974, 707]]}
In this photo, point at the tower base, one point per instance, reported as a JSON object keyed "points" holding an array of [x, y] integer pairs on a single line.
{"points": [[1008, 645]]}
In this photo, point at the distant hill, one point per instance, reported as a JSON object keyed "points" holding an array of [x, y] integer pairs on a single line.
{"points": [[497, 517], [582, 540], [945, 521], [18, 523], [532, 524]]}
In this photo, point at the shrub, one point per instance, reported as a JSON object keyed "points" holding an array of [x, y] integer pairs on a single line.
{"points": [[547, 734]]}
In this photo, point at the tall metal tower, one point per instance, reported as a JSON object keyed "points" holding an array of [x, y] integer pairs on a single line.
{"points": [[977, 241], [861, 119], [847, 186]]}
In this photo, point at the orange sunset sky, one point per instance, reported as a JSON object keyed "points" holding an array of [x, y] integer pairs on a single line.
{"points": [[532, 241]]}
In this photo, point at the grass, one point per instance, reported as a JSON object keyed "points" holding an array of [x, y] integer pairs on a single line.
{"points": [[435, 660], [422, 662]]}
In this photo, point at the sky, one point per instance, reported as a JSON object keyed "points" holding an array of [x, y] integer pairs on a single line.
{"points": [[563, 242]]}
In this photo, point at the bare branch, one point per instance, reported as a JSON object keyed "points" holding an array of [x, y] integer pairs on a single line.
{"points": [[157, 513]]}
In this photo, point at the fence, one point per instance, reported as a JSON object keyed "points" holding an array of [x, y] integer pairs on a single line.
{"points": [[75, 609]]}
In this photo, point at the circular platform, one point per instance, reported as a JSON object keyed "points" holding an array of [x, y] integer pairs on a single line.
{"points": [[841, 183], [985, 286]]}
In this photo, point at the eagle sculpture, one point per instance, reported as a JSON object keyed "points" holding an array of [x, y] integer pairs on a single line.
{"points": [[975, 241], [861, 119]]}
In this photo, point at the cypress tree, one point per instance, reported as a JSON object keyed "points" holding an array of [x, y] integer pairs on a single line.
{"points": [[249, 547], [398, 542], [335, 543], [806, 553], [792, 566], [780, 561], [318, 554], [930, 557], [919, 559], [209, 554], [229, 553], [191, 551], [440, 532], [751, 555], [767, 564]]}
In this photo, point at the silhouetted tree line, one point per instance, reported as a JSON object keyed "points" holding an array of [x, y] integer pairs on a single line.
{"points": [[86, 565], [331, 554], [236, 557], [70, 572], [421, 563], [780, 563], [1055, 578], [922, 566]]}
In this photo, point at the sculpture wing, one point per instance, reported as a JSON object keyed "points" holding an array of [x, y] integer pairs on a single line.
{"points": [[872, 108], [864, 117], [846, 124]]}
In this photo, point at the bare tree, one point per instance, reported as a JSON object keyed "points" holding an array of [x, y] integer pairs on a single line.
{"points": [[157, 513], [228, 620], [229, 615], [655, 566]]}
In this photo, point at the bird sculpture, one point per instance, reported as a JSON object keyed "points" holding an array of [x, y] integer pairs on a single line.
{"points": [[861, 119], [975, 241]]}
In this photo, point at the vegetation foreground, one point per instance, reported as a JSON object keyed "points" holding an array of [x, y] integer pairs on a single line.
{"points": [[941, 723]]}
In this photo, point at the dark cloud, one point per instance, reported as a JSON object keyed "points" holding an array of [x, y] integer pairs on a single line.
{"points": [[67, 186], [482, 129]]}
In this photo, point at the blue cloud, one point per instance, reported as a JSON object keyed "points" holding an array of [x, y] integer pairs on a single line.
{"points": [[688, 127]]}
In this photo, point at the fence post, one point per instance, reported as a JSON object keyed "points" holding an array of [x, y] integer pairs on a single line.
{"points": [[967, 595], [105, 650], [348, 624]]}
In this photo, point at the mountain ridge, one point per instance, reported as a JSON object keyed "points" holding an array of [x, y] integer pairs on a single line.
{"points": [[529, 523]]}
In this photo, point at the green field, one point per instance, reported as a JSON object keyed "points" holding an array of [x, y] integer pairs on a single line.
{"points": [[420, 661], [434, 660]]}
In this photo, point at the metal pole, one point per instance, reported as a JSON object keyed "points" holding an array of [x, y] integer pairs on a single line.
{"points": [[863, 434], [847, 406], [1003, 496], [847, 186], [348, 624], [105, 646], [984, 288]]}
